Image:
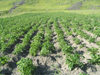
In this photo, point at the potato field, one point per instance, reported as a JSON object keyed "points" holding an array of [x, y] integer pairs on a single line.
{"points": [[50, 44]]}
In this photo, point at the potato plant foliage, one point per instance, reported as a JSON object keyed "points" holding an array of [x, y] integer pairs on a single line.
{"points": [[28, 36], [25, 66]]}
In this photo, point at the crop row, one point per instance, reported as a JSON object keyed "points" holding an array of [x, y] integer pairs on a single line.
{"points": [[35, 32], [26, 40], [47, 46], [94, 52], [37, 40], [72, 57], [11, 35]]}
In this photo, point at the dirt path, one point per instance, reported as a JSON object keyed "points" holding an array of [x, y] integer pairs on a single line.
{"points": [[15, 5], [76, 6]]}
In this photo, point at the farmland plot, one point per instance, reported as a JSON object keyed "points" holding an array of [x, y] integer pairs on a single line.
{"points": [[50, 44]]}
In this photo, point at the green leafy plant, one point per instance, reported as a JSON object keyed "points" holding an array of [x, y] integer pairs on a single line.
{"points": [[44, 51], [93, 51], [36, 44], [25, 66], [67, 49], [82, 45], [47, 46], [77, 41], [98, 43], [73, 61], [3, 60], [95, 56], [95, 59], [83, 73], [25, 41], [91, 39]]}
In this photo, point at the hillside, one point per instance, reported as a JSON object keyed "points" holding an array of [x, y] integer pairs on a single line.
{"points": [[47, 5]]}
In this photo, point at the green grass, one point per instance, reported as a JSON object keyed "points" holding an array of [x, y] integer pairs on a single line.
{"points": [[38, 6], [91, 4], [6, 4], [48, 5], [86, 12], [83, 12]]}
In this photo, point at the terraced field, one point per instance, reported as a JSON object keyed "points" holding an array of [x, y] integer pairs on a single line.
{"points": [[50, 44]]}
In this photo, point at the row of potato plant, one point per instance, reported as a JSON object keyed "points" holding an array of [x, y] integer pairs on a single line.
{"points": [[47, 46], [38, 39], [25, 66], [26, 40], [95, 56], [10, 35], [72, 57], [76, 28], [93, 51]]}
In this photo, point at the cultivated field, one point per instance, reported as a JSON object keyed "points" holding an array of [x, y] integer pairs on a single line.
{"points": [[50, 44]]}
